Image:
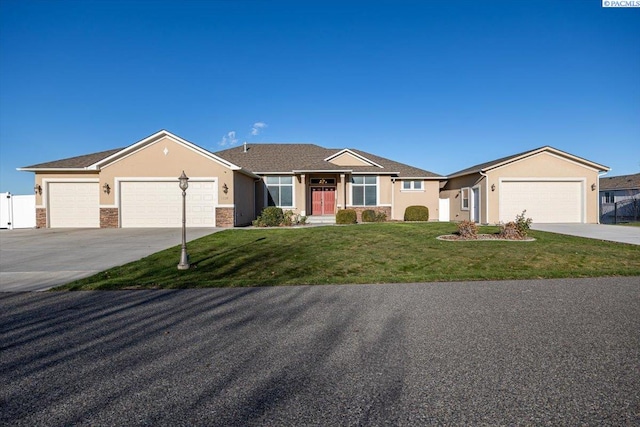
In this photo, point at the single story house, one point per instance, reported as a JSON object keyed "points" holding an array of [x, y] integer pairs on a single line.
{"points": [[620, 198], [617, 188], [550, 184], [137, 185]]}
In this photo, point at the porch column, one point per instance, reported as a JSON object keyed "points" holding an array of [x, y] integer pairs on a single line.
{"points": [[303, 181], [343, 178]]}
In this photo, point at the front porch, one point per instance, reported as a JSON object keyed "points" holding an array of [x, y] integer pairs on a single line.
{"points": [[321, 219]]}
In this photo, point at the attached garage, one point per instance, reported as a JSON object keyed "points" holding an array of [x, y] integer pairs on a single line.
{"points": [[546, 201], [159, 204], [73, 204], [553, 186]]}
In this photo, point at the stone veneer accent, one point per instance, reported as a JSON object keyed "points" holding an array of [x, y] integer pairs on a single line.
{"points": [[385, 209], [224, 217], [41, 217], [108, 217]]}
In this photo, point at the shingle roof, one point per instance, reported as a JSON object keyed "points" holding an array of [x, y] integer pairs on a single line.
{"points": [[78, 162], [489, 165], [285, 158], [622, 182]]}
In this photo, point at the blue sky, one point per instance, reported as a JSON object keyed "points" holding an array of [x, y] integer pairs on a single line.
{"points": [[440, 85]]}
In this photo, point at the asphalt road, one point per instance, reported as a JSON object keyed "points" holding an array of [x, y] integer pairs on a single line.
{"points": [[542, 352]]}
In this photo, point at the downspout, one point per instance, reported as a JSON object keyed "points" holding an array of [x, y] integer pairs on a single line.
{"points": [[598, 195], [393, 203], [486, 189]]}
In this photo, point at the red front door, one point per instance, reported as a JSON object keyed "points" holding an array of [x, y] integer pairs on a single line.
{"points": [[323, 200]]}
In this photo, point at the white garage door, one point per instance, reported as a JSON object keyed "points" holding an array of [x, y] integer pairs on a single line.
{"points": [[544, 201], [159, 204], [74, 204]]}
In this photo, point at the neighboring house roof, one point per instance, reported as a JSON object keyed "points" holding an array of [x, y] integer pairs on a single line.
{"points": [[288, 158], [484, 167], [622, 182], [78, 162]]}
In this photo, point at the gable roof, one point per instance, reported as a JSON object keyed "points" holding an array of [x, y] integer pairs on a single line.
{"points": [[484, 167], [300, 158], [622, 182], [78, 162], [96, 161], [258, 158]]}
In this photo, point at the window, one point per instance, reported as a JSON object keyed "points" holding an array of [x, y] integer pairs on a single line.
{"points": [[608, 197], [364, 190], [280, 191], [412, 185], [465, 199]]}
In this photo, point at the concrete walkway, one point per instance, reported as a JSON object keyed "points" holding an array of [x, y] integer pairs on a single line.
{"points": [[612, 233], [39, 259]]}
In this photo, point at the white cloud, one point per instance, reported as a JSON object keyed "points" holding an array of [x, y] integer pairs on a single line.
{"points": [[229, 139], [257, 128]]}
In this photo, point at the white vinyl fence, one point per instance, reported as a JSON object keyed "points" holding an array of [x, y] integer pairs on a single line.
{"points": [[17, 211]]}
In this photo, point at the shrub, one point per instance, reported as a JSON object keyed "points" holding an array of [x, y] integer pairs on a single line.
{"points": [[523, 224], [270, 217], [509, 231], [368, 216], [416, 213], [346, 216], [468, 229], [517, 229], [372, 216]]}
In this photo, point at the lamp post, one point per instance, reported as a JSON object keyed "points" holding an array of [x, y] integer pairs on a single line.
{"points": [[184, 257]]}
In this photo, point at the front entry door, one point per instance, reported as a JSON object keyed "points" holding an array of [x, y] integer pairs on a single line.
{"points": [[323, 200]]}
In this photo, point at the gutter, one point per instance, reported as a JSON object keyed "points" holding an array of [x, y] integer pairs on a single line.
{"points": [[486, 189]]}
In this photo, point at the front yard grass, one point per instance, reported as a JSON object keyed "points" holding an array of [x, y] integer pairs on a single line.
{"points": [[366, 253]]}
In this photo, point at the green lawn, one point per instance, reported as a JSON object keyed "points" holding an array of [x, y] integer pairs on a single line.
{"points": [[366, 253]]}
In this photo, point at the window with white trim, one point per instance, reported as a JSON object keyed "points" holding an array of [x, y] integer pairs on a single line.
{"points": [[608, 197], [364, 190], [412, 184], [465, 199], [280, 191]]}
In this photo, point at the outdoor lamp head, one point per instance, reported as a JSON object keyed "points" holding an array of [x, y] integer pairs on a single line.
{"points": [[184, 184]]}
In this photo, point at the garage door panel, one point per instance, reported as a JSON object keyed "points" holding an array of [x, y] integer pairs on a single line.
{"points": [[159, 204], [74, 204], [544, 201]]}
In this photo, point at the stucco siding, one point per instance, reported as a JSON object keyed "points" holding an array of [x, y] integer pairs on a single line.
{"points": [[453, 191], [545, 166], [166, 158], [428, 197]]}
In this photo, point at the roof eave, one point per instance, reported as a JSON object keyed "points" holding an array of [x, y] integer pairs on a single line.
{"points": [[56, 170]]}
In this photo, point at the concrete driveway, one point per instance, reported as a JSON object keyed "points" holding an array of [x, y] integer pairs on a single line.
{"points": [[613, 233], [39, 259]]}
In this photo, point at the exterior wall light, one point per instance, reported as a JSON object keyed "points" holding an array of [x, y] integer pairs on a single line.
{"points": [[106, 188], [493, 187], [37, 189], [593, 187], [184, 257], [225, 189]]}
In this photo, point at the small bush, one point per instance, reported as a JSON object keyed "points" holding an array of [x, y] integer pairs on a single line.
{"points": [[416, 213], [372, 216], [523, 224], [517, 229], [509, 231], [468, 230], [270, 217], [346, 216], [368, 216]]}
